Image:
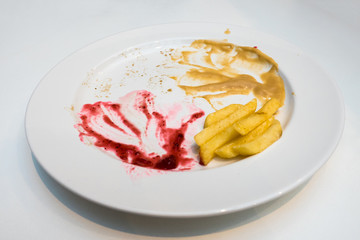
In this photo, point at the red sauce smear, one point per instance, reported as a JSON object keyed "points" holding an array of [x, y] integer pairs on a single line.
{"points": [[172, 138]]}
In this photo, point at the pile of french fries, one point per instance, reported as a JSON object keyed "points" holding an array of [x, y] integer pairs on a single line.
{"points": [[239, 130]]}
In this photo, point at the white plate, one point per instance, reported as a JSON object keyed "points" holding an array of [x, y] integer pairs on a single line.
{"points": [[312, 119]]}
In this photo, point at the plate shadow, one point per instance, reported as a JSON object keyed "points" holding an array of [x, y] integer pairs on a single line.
{"points": [[157, 226]]}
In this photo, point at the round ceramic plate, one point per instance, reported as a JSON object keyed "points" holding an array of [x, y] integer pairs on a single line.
{"points": [[312, 120]]}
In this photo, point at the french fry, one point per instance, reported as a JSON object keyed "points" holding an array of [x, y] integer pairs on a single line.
{"points": [[259, 144], [221, 114], [207, 133], [245, 125], [207, 150], [227, 151]]}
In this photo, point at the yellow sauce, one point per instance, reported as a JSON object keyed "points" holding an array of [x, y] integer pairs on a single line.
{"points": [[219, 69]]}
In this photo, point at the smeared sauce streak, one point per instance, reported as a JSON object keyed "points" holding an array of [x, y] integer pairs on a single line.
{"points": [[217, 66], [173, 138]]}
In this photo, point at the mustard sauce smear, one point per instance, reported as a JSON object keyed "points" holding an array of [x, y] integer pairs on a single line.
{"points": [[218, 69]]}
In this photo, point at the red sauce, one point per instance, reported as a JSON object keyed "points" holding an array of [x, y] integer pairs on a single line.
{"points": [[172, 138]]}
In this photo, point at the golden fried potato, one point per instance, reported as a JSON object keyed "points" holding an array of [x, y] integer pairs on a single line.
{"points": [[207, 150], [207, 133], [227, 151], [221, 114], [245, 125], [259, 144], [270, 107]]}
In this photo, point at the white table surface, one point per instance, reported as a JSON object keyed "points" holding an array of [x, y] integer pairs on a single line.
{"points": [[35, 35]]}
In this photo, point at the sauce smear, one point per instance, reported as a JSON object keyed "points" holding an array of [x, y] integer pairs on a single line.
{"points": [[221, 69], [137, 133]]}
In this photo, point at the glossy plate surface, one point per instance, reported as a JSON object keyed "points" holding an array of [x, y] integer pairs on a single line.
{"points": [[312, 119]]}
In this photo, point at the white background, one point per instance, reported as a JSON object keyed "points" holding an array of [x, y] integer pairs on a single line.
{"points": [[35, 35]]}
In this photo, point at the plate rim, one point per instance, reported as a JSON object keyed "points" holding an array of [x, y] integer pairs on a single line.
{"points": [[210, 212]]}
